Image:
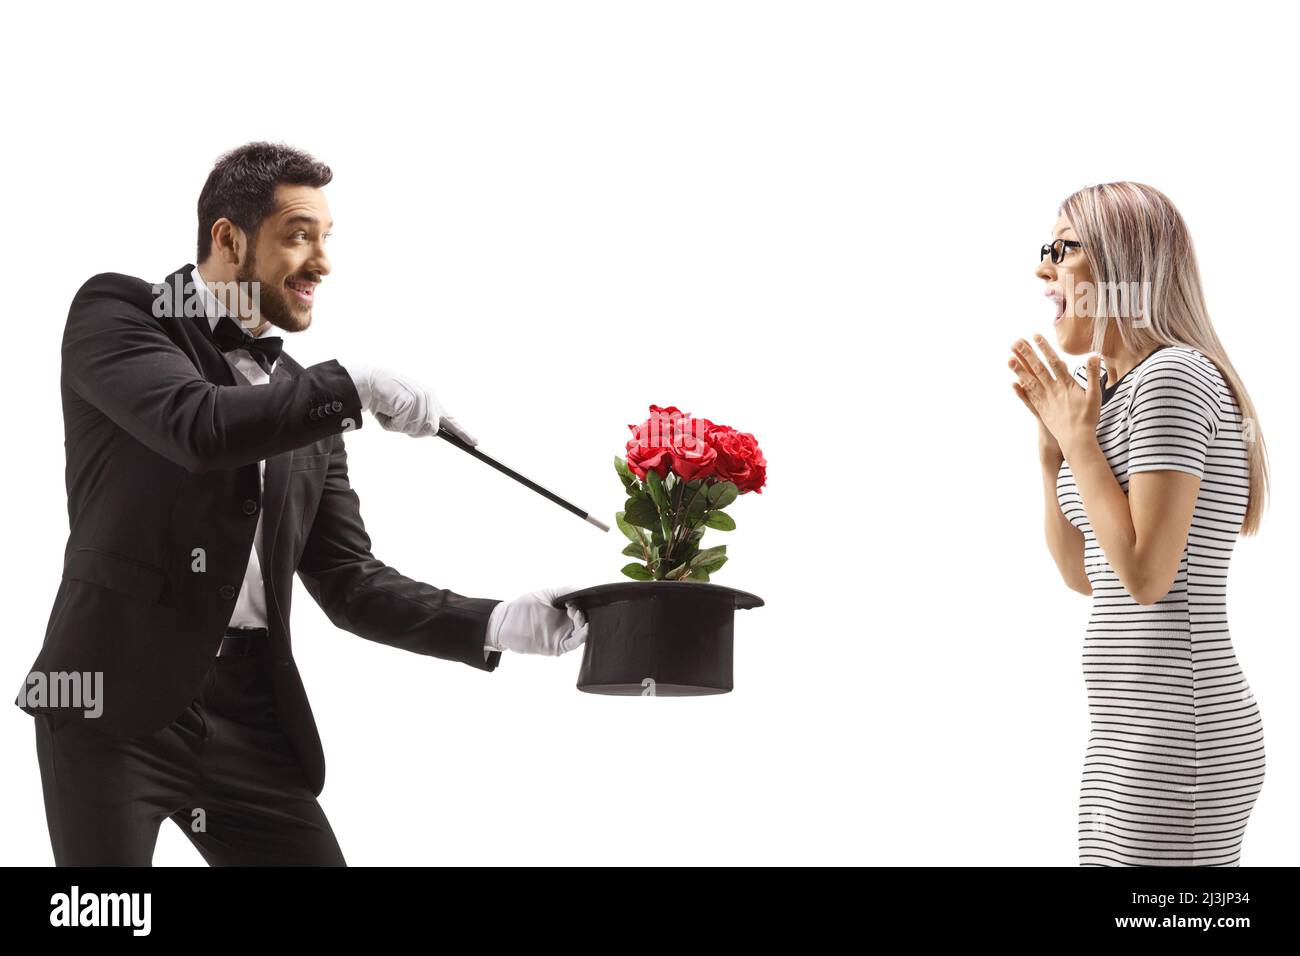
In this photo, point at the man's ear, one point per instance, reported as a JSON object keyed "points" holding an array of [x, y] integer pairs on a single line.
{"points": [[229, 240]]}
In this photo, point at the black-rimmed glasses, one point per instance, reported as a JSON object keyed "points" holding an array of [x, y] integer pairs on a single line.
{"points": [[1057, 249]]}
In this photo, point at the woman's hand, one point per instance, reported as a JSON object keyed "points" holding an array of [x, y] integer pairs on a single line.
{"points": [[1049, 451], [1067, 413]]}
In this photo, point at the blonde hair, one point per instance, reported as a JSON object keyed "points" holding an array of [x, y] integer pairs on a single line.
{"points": [[1131, 233]]}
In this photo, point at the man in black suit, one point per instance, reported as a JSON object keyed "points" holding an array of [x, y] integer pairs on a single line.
{"points": [[204, 468]]}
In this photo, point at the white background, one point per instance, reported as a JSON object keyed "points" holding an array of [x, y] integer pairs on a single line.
{"points": [[816, 222]]}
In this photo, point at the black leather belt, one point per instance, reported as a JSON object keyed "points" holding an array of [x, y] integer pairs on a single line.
{"points": [[243, 642]]}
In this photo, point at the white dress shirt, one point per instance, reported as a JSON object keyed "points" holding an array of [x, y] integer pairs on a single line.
{"points": [[250, 608]]}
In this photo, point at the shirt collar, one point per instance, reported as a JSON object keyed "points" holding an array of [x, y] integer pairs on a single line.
{"points": [[212, 306]]}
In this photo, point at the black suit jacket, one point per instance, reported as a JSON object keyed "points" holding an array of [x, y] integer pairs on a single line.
{"points": [[162, 443]]}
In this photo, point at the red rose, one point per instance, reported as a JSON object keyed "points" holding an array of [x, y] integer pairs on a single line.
{"points": [[672, 412], [693, 456], [739, 459], [671, 440]]}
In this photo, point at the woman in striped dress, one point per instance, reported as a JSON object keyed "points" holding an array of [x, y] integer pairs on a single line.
{"points": [[1151, 469]]}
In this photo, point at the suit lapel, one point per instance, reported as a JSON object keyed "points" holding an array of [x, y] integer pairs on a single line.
{"points": [[275, 484], [240, 377]]}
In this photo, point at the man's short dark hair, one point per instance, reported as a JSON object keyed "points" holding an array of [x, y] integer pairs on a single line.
{"points": [[241, 186]]}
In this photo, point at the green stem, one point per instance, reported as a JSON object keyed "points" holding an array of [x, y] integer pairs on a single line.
{"points": [[663, 530], [678, 527]]}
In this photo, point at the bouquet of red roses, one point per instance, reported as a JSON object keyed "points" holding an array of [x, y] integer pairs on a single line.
{"points": [[680, 473]]}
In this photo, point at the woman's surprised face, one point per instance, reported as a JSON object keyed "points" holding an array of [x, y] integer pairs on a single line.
{"points": [[1069, 288]]}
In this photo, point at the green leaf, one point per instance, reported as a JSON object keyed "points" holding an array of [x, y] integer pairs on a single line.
{"points": [[720, 520], [635, 551], [657, 493], [698, 575], [632, 534], [624, 473], [711, 566], [639, 491], [637, 571], [642, 514], [698, 505], [722, 494], [708, 556]]}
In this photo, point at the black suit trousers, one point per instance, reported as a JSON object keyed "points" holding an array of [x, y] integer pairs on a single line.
{"points": [[223, 771]]}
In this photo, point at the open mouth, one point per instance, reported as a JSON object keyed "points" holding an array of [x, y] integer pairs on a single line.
{"points": [[1059, 302], [304, 291]]}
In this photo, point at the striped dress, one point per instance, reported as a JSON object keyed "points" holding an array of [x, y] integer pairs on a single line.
{"points": [[1175, 756]]}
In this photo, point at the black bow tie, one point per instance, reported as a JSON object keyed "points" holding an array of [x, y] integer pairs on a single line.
{"points": [[228, 335]]}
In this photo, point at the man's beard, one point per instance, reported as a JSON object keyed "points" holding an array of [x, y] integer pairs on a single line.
{"points": [[274, 303]]}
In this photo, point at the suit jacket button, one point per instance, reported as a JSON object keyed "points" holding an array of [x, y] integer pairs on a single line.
{"points": [[250, 507], [227, 591], [336, 406]]}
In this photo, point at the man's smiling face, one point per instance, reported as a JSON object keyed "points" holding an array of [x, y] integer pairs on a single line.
{"points": [[288, 257]]}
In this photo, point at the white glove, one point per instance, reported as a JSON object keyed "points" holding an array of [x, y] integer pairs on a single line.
{"points": [[530, 625], [403, 404]]}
